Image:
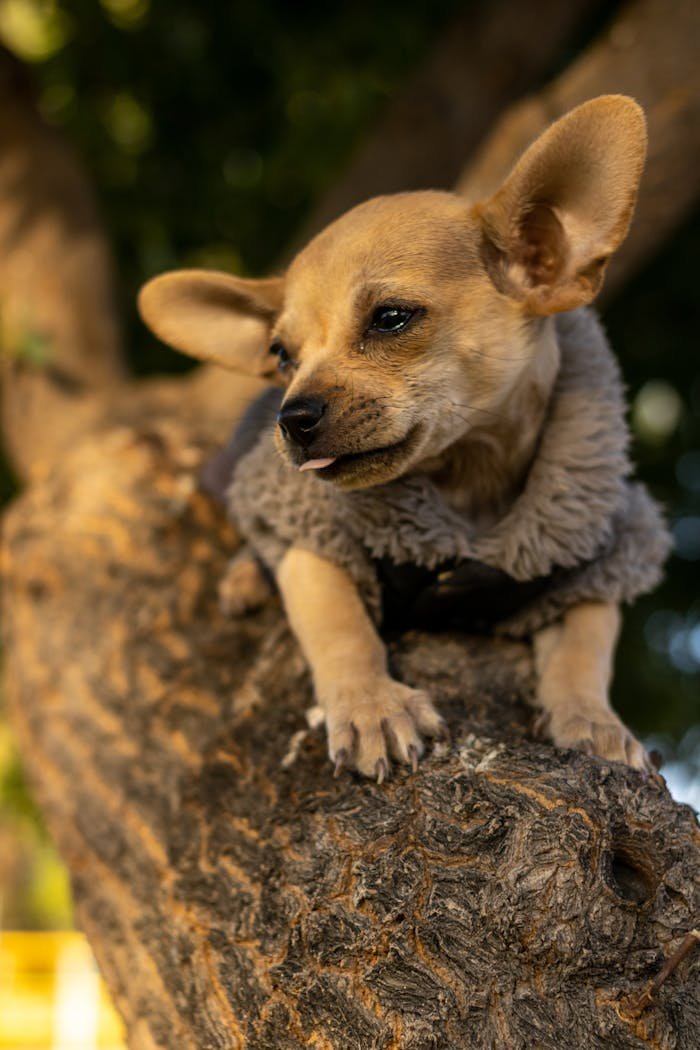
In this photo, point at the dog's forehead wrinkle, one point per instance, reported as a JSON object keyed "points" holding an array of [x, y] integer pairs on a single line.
{"points": [[408, 264], [374, 292]]}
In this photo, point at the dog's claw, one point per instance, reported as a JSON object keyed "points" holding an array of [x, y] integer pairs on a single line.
{"points": [[540, 724], [413, 757], [341, 761], [656, 759], [443, 732], [381, 770]]}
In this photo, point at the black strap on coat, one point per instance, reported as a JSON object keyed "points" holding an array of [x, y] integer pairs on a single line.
{"points": [[465, 595]]}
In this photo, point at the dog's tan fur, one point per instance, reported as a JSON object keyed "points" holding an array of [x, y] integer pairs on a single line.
{"points": [[460, 394]]}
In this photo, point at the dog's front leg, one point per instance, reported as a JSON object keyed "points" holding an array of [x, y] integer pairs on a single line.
{"points": [[366, 711], [574, 660]]}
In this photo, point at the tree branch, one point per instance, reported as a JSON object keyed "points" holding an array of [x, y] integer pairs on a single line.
{"points": [[235, 894]]}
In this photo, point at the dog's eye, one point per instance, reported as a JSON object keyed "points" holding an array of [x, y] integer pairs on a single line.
{"points": [[390, 318], [284, 361]]}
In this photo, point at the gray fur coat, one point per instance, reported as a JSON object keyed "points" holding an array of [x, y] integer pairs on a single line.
{"points": [[580, 527]]}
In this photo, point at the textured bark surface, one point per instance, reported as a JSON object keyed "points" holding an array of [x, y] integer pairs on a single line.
{"points": [[235, 894]]}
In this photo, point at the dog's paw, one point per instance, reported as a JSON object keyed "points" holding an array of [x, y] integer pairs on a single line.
{"points": [[243, 588], [598, 733], [371, 720]]}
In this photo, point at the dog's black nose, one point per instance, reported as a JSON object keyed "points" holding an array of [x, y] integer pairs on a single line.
{"points": [[299, 419]]}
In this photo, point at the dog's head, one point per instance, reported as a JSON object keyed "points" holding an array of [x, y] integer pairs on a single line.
{"points": [[412, 318]]}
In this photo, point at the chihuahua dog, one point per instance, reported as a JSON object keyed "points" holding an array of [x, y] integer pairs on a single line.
{"points": [[416, 342]]}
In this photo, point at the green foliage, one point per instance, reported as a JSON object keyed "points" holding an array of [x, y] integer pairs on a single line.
{"points": [[14, 797], [653, 326], [34, 349], [35, 891]]}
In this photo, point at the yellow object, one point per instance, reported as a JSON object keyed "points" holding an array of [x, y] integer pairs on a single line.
{"points": [[52, 997], [34, 29]]}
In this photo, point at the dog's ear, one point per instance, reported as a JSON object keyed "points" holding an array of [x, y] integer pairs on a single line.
{"points": [[215, 316], [566, 206]]}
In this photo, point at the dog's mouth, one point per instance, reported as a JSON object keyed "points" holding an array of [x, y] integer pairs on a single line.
{"points": [[369, 467]]}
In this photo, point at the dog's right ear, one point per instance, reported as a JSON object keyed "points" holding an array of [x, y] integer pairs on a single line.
{"points": [[215, 317]]}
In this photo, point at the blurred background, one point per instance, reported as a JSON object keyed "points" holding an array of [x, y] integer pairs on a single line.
{"points": [[213, 133]]}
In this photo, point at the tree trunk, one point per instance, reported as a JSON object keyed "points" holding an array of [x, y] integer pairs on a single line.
{"points": [[507, 895], [60, 347]]}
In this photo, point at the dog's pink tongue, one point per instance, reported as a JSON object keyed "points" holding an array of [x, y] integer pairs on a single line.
{"points": [[317, 464]]}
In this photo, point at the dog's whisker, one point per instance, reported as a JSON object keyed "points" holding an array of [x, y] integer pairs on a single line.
{"points": [[498, 357], [464, 419], [498, 416], [476, 408]]}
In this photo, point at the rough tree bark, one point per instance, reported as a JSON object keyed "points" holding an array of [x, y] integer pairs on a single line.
{"points": [[234, 893], [507, 895]]}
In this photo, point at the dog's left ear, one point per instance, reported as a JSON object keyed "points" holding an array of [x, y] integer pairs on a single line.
{"points": [[566, 206]]}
